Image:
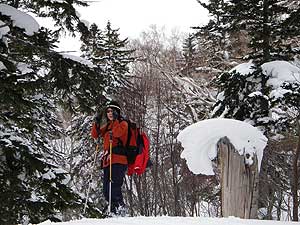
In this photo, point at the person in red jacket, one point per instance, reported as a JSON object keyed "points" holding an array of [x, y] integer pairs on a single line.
{"points": [[116, 130]]}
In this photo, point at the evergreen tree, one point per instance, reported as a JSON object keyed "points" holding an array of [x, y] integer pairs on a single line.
{"points": [[108, 51], [214, 39], [250, 91], [215, 29], [33, 77], [265, 22], [62, 12], [270, 24], [189, 54]]}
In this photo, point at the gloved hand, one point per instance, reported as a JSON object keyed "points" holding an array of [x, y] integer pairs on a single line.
{"points": [[97, 118], [115, 114]]}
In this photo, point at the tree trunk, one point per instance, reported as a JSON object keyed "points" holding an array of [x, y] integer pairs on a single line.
{"points": [[266, 31], [296, 177], [156, 163], [239, 183]]}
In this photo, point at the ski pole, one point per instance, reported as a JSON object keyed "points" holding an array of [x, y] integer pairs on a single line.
{"points": [[91, 176], [110, 170]]}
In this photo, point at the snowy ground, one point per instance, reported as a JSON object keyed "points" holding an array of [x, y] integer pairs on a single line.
{"points": [[170, 221]]}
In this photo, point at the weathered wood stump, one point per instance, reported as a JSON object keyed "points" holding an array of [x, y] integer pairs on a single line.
{"points": [[239, 182]]}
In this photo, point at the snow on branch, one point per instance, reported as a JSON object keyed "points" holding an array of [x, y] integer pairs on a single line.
{"points": [[20, 19], [78, 59], [208, 69]]}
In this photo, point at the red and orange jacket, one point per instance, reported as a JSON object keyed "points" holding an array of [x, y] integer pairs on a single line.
{"points": [[119, 137]]}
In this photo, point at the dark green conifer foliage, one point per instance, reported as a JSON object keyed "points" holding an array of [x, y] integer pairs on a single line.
{"points": [[216, 27], [189, 54], [273, 25], [33, 79], [270, 24], [214, 38], [273, 31], [62, 12], [108, 51]]}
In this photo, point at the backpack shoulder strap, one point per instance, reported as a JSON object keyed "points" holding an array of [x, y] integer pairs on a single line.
{"points": [[121, 119], [128, 133], [105, 129]]}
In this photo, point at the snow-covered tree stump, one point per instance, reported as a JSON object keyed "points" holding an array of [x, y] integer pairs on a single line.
{"points": [[239, 182]]}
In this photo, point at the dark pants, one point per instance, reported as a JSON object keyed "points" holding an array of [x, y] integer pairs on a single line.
{"points": [[118, 174]]}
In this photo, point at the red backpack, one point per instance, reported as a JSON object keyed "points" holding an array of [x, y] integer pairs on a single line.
{"points": [[137, 150]]}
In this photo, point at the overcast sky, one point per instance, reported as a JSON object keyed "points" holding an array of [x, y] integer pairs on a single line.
{"points": [[135, 16]]}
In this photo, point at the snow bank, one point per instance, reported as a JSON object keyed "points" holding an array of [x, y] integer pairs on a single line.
{"points": [[166, 220], [200, 142]]}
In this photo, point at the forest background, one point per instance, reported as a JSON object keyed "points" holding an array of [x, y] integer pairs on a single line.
{"points": [[165, 83]]}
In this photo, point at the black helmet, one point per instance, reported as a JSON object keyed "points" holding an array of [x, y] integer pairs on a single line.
{"points": [[114, 105]]}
